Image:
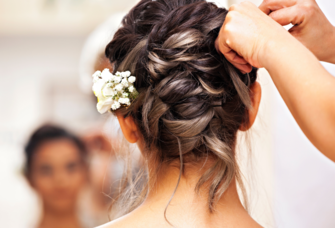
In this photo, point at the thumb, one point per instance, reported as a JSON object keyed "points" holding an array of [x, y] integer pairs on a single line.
{"points": [[287, 15]]}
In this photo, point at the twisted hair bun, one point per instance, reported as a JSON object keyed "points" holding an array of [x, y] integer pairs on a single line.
{"points": [[192, 100]]}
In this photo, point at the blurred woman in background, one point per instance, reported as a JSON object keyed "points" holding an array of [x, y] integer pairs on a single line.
{"points": [[55, 167]]}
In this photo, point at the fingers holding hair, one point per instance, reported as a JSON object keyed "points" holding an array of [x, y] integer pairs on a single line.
{"points": [[239, 62], [233, 57]]}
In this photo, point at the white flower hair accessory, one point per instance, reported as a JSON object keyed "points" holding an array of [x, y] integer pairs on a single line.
{"points": [[113, 91]]}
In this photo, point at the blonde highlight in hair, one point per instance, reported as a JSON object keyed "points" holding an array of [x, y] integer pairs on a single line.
{"points": [[192, 100]]}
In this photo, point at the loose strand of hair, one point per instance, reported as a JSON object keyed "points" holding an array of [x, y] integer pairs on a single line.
{"points": [[179, 178]]}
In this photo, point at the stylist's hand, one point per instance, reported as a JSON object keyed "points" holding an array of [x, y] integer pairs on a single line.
{"points": [[247, 34], [311, 26]]}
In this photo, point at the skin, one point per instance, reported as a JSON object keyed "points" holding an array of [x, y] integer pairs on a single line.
{"points": [[58, 175], [311, 27], [306, 87], [187, 208]]}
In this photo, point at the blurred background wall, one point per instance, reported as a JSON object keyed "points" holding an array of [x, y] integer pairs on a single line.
{"points": [[41, 43]]}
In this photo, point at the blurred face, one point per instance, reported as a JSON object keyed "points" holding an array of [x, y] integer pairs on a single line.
{"points": [[58, 174]]}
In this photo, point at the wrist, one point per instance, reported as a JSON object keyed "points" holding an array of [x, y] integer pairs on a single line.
{"points": [[274, 50]]}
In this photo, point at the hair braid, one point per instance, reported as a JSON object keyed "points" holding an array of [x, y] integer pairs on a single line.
{"points": [[192, 100]]}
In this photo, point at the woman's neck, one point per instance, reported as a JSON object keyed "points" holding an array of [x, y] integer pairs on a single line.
{"points": [[56, 219], [188, 206]]}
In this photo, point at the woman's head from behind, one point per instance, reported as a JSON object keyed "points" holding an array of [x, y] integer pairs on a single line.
{"points": [[192, 100], [55, 167]]}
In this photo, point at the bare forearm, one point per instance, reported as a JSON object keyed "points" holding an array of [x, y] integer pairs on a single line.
{"points": [[307, 89]]}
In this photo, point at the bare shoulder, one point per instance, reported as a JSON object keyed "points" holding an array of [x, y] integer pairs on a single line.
{"points": [[131, 220], [141, 217], [113, 224], [122, 222]]}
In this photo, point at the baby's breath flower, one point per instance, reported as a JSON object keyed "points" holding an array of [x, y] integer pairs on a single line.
{"points": [[96, 79], [97, 74], [131, 79], [118, 87], [106, 75], [127, 73], [131, 89], [117, 79], [124, 82], [116, 105], [124, 101]]}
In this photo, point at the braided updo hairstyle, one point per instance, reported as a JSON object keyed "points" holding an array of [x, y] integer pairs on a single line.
{"points": [[191, 101]]}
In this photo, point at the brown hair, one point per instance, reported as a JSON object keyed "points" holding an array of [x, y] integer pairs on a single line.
{"points": [[192, 100]]}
